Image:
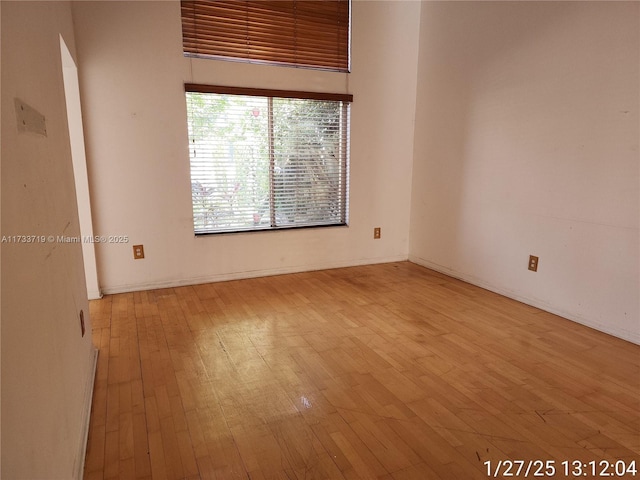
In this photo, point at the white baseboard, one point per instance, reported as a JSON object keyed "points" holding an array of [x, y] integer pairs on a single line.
{"points": [[223, 277], [619, 333], [86, 416]]}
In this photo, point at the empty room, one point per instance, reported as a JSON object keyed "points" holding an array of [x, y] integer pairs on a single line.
{"points": [[320, 239]]}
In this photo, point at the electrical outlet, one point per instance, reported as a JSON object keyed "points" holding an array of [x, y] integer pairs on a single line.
{"points": [[82, 322], [533, 263], [138, 252], [376, 233]]}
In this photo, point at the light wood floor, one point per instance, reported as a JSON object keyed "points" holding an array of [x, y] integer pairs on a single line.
{"points": [[386, 371]]}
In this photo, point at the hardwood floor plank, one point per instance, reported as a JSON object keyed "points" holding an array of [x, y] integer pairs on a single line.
{"points": [[141, 446], [387, 371], [94, 462]]}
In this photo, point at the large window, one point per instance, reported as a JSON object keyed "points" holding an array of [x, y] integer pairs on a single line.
{"points": [[264, 159], [300, 33]]}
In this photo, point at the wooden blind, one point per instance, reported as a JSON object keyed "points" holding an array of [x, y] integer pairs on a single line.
{"points": [[307, 33]]}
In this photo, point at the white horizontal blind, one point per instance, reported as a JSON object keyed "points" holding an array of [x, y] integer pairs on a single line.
{"points": [[265, 162]]}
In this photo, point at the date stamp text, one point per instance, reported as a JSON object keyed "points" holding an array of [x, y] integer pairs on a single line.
{"points": [[566, 468]]}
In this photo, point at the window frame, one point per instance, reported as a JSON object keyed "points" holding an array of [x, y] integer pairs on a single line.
{"points": [[289, 94]]}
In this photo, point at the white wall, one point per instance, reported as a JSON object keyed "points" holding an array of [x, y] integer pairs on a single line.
{"points": [[47, 366], [527, 143], [132, 73]]}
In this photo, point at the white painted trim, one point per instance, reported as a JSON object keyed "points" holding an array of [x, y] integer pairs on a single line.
{"points": [[629, 336], [79, 161], [247, 274], [94, 294], [86, 416]]}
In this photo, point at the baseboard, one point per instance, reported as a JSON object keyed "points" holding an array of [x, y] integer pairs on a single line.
{"points": [[247, 274], [619, 333], [86, 416]]}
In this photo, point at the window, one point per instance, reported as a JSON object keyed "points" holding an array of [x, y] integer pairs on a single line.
{"points": [[302, 33], [266, 159]]}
